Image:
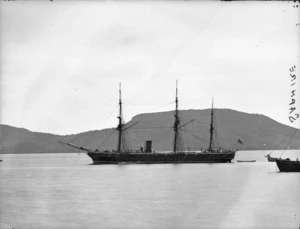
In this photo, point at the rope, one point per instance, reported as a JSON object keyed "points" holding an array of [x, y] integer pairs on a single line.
{"points": [[155, 127], [200, 133], [216, 135], [278, 144], [108, 116], [163, 106], [110, 99], [161, 137], [289, 142], [106, 139], [195, 136]]}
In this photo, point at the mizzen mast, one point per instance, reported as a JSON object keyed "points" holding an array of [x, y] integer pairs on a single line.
{"points": [[176, 123], [211, 130], [120, 125]]}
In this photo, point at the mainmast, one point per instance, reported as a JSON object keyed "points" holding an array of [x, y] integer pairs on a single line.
{"points": [[120, 125], [211, 139], [176, 123]]}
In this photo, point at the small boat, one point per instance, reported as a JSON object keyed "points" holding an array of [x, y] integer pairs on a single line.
{"points": [[271, 159], [287, 165], [246, 160]]}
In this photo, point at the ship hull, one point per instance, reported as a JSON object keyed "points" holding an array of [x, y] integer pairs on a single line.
{"points": [[288, 166], [271, 159], [160, 158]]}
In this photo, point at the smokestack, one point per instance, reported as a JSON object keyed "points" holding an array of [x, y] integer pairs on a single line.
{"points": [[148, 146]]}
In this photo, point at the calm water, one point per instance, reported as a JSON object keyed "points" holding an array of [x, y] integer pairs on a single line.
{"points": [[66, 191]]}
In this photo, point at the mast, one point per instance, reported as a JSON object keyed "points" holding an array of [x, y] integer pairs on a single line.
{"points": [[176, 123], [211, 138], [120, 125]]}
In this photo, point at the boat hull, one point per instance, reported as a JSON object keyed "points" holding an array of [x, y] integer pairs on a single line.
{"points": [[159, 158], [246, 160], [271, 159], [288, 166]]}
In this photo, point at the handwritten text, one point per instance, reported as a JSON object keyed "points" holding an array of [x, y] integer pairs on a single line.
{"points": [[293, 116]]}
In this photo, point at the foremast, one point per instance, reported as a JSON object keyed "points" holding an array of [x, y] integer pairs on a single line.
{"points": [[176, 123], [211, 130], [120, 125]]}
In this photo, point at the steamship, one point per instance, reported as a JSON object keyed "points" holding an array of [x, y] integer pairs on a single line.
{"points": [[148, 156]]}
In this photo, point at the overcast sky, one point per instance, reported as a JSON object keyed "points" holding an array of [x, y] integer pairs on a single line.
{"points": [[61, 62]]}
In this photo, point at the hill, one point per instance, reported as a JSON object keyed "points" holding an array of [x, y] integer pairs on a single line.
{"points": [[20, 140], [257, 132]]}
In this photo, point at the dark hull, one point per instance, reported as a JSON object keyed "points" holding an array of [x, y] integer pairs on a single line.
{"points": [[246, 160], [271, 159], [288, 166], [158, 158]]}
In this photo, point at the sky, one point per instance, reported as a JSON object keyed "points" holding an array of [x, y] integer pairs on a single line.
{"points": [[62, 62]]}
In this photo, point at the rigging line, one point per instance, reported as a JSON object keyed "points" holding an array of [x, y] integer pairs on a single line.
{"points": [[130, 126], [216, 129], [186, 123], [106, 139], [77, 136], [289, 142], [165, 105], [132, 104], [197, 132], [208, 113], [110, 100], [109, 116], [156, 124], [202, 124], [154, 127], [195, 136], [281, 142], [162, 137]]}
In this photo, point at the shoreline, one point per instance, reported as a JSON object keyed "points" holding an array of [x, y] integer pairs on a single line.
{"points": [[277, 150]]}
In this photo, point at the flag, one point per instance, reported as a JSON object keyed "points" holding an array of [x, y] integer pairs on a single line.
{"points": [[240, 141]]}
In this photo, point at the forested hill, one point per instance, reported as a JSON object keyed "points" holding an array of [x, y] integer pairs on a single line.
{"points": [[255, 131]]}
